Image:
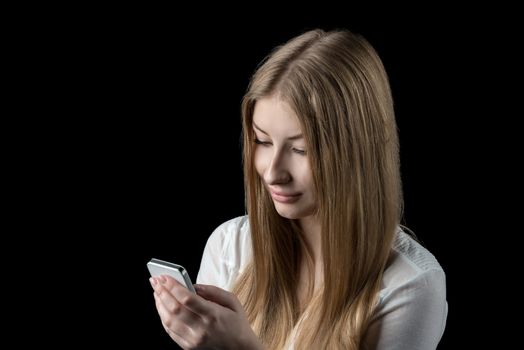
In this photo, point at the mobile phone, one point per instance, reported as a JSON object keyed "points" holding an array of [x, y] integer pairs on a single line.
{"points": [[159, 267]]}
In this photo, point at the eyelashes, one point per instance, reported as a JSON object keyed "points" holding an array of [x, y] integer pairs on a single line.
{"points": [[258, 142], [299, 151], [267, 144]]}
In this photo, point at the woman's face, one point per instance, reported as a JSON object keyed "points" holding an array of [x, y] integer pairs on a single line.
{"points": [[281, 159]]}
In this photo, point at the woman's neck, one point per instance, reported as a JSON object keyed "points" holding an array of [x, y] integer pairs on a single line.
{"points": [[310, 226]]}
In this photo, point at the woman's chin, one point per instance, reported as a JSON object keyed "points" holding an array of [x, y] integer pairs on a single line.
{"points": [[288, 213]]}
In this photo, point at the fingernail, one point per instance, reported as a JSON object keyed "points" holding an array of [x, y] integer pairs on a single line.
{"points": [[153, 282], [162, 279]]}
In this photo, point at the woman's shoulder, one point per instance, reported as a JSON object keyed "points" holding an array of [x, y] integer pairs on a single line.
{"points": [[232, 239], [411, 264], [231, 231], [235, 225], [411, 250]]}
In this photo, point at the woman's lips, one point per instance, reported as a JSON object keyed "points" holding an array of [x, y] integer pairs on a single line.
{"points": [[285, 197]]}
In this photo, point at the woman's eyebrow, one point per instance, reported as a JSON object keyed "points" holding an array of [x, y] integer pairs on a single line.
{"points": [[296, 137]]}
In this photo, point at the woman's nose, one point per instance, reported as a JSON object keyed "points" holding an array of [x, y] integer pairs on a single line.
{"points": [[277, 171]]}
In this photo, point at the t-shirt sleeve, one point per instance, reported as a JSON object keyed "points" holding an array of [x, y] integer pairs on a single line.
{"points": [[213, 269], [410, 317], [226, 253]]}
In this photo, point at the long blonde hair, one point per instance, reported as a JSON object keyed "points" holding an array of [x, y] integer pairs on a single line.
{"points": [[337, 86]]}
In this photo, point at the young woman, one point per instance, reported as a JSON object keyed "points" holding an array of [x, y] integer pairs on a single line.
{"points": [[320, 261]]}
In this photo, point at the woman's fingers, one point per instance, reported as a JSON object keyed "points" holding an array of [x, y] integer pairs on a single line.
{"points": [[181, 324], [188, 299], [203, 319], [170, 309]]}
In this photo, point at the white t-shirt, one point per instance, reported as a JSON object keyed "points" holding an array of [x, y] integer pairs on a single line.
{"points": [[412, 311]]}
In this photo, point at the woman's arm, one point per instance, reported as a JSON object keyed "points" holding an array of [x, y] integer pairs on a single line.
{"points": [[410, 317]]}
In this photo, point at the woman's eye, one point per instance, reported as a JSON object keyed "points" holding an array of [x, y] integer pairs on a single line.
{"points": [[268, 143], [264, 143]]}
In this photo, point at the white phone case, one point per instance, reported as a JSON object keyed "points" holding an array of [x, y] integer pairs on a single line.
{"points": [[159, 267]]}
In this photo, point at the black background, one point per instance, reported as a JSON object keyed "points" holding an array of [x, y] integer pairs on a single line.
{"points": [[143, 158]]}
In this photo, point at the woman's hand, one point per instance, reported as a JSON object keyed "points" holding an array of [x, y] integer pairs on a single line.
{"points": [[212, 319]]}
